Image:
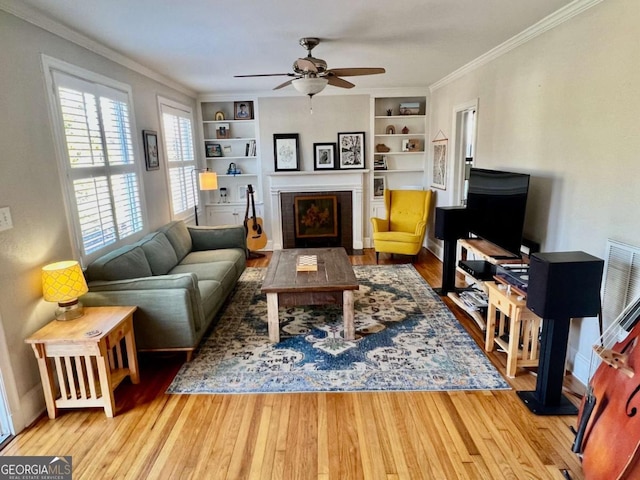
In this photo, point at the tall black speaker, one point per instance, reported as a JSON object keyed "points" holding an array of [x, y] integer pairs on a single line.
{"points": [[450, 225], [562, 285]]}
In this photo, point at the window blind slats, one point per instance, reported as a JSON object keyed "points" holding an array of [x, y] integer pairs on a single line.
{"points": [[104, 181], [178, 138]]}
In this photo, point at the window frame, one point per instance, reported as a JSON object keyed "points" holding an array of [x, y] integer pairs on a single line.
{"points": [[66, 174], [187, 215]]}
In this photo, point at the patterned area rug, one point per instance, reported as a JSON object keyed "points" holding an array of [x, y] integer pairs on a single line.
{"points": [[406, 339]]}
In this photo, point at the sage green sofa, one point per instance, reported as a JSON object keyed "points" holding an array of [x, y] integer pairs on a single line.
{"points": [[179, 277]]}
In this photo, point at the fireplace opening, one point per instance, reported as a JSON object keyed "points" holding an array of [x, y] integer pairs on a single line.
{"points": [[317, 220]]}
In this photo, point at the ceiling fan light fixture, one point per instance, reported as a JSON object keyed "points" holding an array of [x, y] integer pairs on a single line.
{"points": [[310, 85]]}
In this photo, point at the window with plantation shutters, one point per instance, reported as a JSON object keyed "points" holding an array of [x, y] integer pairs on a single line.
{"points": [[177, 131], [100, 170]]}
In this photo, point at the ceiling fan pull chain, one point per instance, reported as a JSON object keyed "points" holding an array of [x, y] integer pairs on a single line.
{"points": [[311, 104]]}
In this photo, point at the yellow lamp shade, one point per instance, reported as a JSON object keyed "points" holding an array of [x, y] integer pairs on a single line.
{"points": [[63, 282], [208, 180]]}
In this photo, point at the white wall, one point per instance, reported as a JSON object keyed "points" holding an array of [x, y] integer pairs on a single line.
{"points": [[29, 185], [564, 108], [331, 114]]}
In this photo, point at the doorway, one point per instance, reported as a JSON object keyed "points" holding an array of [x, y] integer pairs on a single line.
{"points": [[465, 127]]}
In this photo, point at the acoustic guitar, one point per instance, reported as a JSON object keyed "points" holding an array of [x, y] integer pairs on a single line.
{"points": [[256, 238]]}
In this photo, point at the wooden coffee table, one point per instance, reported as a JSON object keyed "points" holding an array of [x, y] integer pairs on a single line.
{"points": [[333, 283]]}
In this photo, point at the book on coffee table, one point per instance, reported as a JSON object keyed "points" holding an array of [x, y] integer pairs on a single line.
{"points": [[307, 263]]}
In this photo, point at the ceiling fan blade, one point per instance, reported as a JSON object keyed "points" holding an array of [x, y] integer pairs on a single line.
{"points": [[339, 82], [353, 72], [282, 85], [267, 75]]}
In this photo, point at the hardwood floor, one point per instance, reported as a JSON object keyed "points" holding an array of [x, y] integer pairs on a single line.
{"points": [[389, 435]]}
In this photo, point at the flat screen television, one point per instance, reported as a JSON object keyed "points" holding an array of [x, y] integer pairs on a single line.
{"points": [[496, 204]]}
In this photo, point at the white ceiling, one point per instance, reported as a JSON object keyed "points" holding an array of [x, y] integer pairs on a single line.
{"points": [[202, 44]]}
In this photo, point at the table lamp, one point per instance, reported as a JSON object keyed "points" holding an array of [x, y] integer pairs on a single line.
{"points": [[64, 282], [207, 180]]}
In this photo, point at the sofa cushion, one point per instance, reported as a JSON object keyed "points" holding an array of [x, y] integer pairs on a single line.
{"points": [[224, 272], [178, 235], [212, 295], [125, 262], [159, 252], [235, 255]]}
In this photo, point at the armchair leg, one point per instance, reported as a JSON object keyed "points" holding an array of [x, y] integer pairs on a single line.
{"points": [[377, 255]]}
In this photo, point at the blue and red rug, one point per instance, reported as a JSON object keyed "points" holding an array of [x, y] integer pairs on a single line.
{"points": [[406, 339]]}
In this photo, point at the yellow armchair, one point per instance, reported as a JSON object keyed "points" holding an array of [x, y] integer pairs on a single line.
{"points": [[403, 229]]}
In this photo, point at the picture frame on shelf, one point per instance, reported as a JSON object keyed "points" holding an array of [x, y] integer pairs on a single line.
{"points": [[212, 149], [286, 153], [324, 156], [380, 162], [223, 130], [379, 185], [243, 110], [351, 150], [439, 172], [150, 142], [409, 108], [242, 193]]}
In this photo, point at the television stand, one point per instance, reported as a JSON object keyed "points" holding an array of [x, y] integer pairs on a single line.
{"points": [[488, 252]]}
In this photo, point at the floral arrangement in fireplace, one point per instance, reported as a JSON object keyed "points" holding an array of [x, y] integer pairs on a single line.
{"points": [[316, 216]]}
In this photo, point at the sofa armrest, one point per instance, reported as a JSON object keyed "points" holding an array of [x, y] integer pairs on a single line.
{"points": [[169, 315], [213, 238]]}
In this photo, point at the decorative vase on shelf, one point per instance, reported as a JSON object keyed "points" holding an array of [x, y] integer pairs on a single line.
{"points": [[389, 112], [405, 130]]}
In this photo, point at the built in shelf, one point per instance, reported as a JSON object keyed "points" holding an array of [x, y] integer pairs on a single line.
{"points": [[227, 121], [400, 170], [414, 152], [400, 116], [236, 139], [239, 174], [400, 134]]}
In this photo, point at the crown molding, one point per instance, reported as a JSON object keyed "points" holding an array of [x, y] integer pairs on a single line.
{"points": [[37, 18], [551, 21]]}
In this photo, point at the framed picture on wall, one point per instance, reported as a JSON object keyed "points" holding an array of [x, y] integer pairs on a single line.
{"points": [[285, 152], [379, 184], [150, 142], [324, 156], [439, 164], [351, 149]]}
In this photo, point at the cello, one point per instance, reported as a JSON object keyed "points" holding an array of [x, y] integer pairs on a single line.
{"points": [[608, 433]]}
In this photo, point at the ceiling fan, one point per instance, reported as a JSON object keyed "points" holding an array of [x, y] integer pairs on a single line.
{"points": [[310, 74]]}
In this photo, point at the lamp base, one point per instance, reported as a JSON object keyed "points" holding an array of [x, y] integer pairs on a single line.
{"points": [[69, 311]]}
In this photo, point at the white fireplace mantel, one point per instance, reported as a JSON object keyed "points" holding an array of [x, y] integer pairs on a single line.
{"points": [[318, 181]]}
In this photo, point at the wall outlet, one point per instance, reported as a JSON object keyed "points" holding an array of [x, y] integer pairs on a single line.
{"points": [[5, 219]]}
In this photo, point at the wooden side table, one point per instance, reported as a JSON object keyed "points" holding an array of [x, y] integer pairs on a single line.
{"points": [[524, 327], [76, 350]]}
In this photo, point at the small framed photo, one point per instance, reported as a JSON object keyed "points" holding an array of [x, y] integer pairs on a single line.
{"points": [[380, 162], [351, 149], [243, 110], [379, 184], [285, 152], [150, 142], [410, 108], [324, 156], [212, 149], [242, 193], [411, 145], [223, 130]]}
